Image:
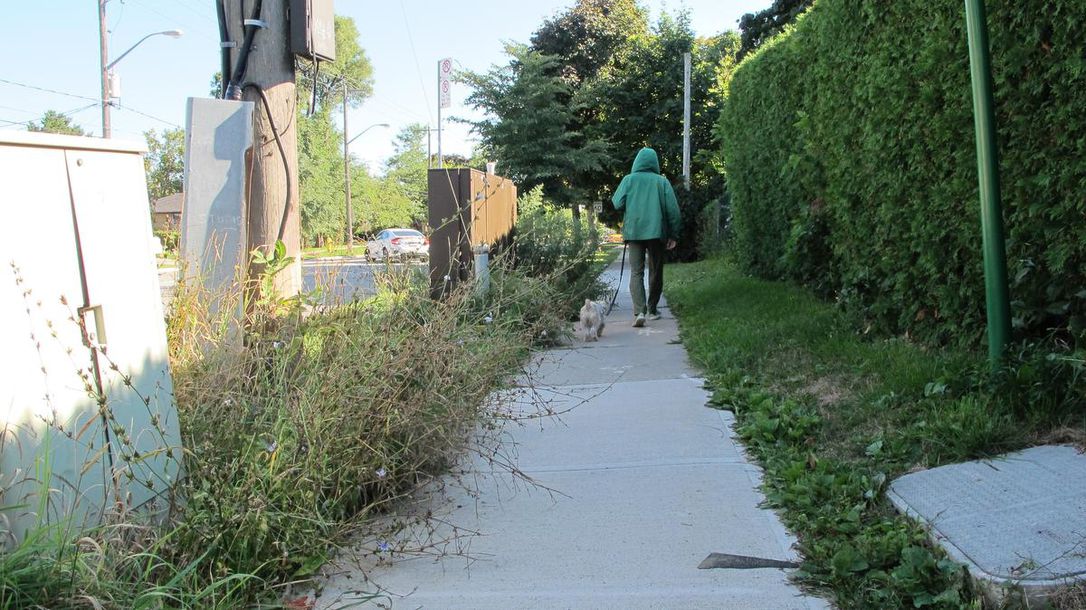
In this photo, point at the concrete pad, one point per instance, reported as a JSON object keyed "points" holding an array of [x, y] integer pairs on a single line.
{"points": [[666, 421], [1019, 520], [607, 538], [588, 366]]}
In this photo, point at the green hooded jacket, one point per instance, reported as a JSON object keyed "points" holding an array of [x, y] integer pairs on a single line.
{"points": [[651, 211]]}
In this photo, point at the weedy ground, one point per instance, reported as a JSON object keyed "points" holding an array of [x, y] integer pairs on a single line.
{"points": [[833, 415], [298, 433]]}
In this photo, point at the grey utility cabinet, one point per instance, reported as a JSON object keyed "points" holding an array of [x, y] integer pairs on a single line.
{"points": [[88, 424]]}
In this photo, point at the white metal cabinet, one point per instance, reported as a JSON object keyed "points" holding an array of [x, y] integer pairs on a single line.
{"points": [[78, 231]]}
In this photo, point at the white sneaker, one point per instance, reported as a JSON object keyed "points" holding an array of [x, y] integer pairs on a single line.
{"points": [[639, 321], [654, 316]]}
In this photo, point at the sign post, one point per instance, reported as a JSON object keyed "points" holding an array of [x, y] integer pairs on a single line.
{"points": [[444, 74]]}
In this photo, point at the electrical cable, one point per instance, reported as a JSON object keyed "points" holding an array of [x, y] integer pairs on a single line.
{"points": [[144, 114], [313, 89], [282, 155], [66, 113], [233, 91], [81, 97], [418, 67], [224, 48]]}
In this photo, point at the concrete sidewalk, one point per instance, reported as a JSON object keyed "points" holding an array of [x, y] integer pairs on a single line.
{"points": [[645, 482]]}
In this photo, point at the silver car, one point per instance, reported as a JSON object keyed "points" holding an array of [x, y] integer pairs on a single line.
{"points": [[398, 244]]}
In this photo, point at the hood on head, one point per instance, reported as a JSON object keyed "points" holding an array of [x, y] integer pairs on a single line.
{"points": [[646, 161]]}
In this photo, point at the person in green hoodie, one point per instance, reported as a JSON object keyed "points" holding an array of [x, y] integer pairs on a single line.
{"points": [[650, 224]]}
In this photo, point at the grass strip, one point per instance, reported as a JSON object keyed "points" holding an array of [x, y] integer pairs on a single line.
{"points": [[833, 416]]}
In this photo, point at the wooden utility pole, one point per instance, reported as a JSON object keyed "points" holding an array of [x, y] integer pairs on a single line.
{"points": [[103, 50], [273, 189]]}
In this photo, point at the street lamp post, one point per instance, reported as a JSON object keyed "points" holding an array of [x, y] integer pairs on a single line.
{"points": [[107, 130], [347, 170]]}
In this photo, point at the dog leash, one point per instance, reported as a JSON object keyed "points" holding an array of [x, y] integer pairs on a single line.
{"points": [[621, 268]]}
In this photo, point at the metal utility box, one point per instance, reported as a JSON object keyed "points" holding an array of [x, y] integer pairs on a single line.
{"points": [[214, 232], [313, 29], [88, 424], [468, 208]]}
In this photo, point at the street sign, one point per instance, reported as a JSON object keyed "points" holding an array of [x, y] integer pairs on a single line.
{"points": [[444, 75], [597, 207]]}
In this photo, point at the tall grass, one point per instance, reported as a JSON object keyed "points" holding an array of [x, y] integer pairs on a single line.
{"points": [[295, 436]]}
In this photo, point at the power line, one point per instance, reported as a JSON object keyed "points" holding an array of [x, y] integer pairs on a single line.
{"points": [[187, 5], [47, 90], [23, 110], [81, 109], [200, 30], [66, 113], [418, 67], [150, 116]]}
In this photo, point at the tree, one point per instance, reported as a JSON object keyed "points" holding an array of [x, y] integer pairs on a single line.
{"points": [[591, 42], [320, 153], [164, 162], [215, 86], [351, 65], [756, 28], [382, 204], [590, 37], [530, 123], [56, 122], [406, 168], [320, 176]]}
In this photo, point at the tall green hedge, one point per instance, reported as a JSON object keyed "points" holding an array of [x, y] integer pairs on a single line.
{"points": [[849, 148]]}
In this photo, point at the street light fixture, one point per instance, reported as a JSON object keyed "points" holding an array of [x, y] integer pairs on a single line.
{"points": [[347, 174], [107, 68]]}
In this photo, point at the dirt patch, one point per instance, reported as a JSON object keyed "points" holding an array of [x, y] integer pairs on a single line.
{"points": [[827, 391], [1066, 436], [1072, 597]]}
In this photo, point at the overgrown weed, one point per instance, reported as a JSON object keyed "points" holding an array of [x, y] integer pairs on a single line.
{"points": [[765, 346], [299, 432]]}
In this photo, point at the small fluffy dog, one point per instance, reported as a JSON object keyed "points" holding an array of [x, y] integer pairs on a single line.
{"points": [[592, 315]]}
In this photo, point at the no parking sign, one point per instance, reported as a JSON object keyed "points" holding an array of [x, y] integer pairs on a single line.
{"points": [[444, 74]]}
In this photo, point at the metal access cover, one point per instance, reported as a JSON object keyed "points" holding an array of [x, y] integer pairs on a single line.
{"points": [[1019, 519], [313, 29]]}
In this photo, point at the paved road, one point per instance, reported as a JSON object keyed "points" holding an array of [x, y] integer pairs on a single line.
{"points": [[341, 278]]}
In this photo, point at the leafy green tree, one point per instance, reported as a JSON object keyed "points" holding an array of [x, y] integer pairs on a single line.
{"points": [[320, 176], [530, 124], [56, 122], [590, 37], [406, 168], [380, 203], [320, 156], [164, 162], [591, 41], [351, 65], [215, 85]]}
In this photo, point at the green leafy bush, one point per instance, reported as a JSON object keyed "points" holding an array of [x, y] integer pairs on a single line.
{"points": [[550, 243], [864, 111], [170, 239]]}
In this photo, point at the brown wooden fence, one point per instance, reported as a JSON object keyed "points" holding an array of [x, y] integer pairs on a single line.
{"points": [[468, 208]]}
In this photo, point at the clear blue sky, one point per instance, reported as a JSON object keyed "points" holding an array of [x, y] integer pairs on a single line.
{"points": [[53, 44]]}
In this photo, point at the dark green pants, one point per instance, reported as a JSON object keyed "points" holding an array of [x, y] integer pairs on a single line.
{"points": [[650, 253]]}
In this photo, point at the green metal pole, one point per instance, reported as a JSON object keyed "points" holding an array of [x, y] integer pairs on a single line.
{"points": [[991, 213]]}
